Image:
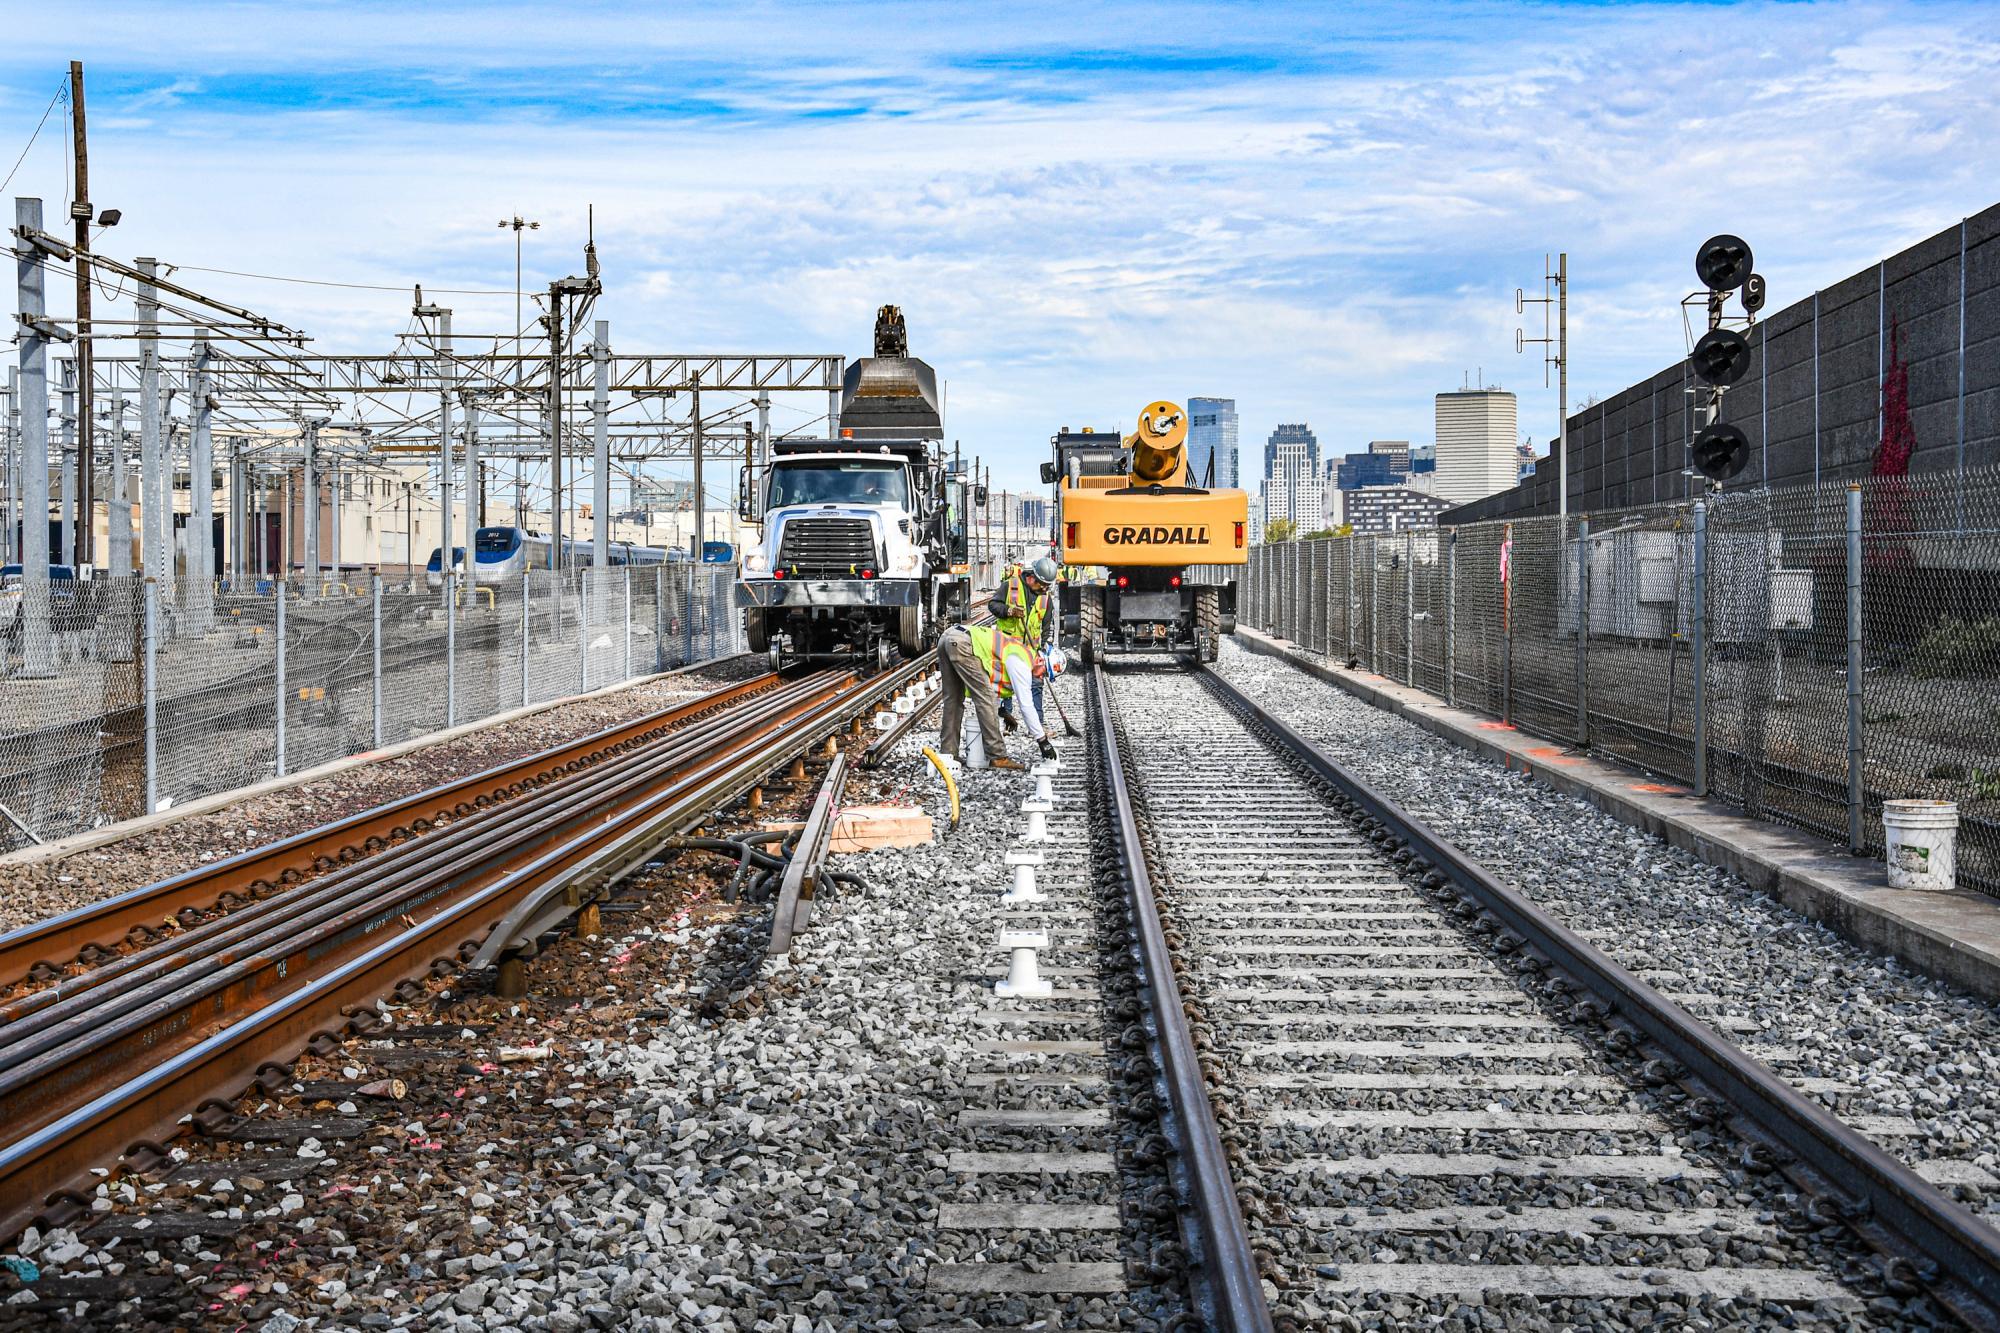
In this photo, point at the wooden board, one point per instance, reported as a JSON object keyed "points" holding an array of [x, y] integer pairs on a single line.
{"points": [[862, 828]]}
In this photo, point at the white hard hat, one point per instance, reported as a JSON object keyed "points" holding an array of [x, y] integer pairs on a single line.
{"points": [[1057, 661]]}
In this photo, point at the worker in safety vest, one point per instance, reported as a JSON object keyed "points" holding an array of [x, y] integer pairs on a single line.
{"points": [[1021, 606], [986, 664]]}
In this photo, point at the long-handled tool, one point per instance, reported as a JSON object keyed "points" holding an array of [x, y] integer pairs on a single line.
{"points": [[1069, 727]]}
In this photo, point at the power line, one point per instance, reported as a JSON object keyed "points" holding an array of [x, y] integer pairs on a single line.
{"points": [[61, 91], [354, 286]]}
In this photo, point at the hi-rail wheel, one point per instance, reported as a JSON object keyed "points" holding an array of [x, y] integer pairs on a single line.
{"points": [[757, 630], [910, 631], [1090, 624]]}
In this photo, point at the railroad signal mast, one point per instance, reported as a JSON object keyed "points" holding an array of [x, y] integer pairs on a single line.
{"points": [[1721, 356], [1555, 295]]}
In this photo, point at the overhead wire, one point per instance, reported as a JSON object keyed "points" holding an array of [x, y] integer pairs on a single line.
{"points": [[62, 92], [353, 286]]}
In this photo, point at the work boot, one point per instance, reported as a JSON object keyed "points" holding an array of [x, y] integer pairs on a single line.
{"points": [[1009, 763]]}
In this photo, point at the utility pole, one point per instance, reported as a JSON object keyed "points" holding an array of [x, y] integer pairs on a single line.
{"points": [[1558, 278], [311, 490], [518, 225], [475, 492], [118, 509], [152, 526], [555, 318], [600, 445], [445, 375], [66, 504], [37, 644], [82, 552], [700, 492], [201, 495]]}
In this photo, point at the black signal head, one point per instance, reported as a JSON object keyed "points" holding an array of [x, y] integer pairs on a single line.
{"points": [[1721, 451], [1723, 263], [1721, 357], [1753, 293]]}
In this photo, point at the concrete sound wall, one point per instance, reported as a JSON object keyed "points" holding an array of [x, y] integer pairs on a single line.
{"points": [[1811, 403]]}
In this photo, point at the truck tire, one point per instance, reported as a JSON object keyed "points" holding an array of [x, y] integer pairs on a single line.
{"points": [[1208, 623], [756, 632], [1090, 624], [910, 631]]}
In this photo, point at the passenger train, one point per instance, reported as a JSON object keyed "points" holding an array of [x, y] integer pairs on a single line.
{"points": [[502, 555]]}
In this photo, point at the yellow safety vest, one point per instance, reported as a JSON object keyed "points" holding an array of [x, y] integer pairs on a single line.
{"points": [[1033, 614], [993, 646]]}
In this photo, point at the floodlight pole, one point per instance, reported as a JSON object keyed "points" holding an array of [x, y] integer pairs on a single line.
{"points": [[1559, 278]]}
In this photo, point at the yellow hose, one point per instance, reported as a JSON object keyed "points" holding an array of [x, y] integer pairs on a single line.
{"points": [[950, 786]]}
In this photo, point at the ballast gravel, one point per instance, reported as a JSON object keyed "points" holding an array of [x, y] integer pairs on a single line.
{"points": [[1911, 1046], [672, 1132], [36, 885]]}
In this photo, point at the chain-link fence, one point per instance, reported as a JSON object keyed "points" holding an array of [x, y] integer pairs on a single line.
{"points": [[250, 685], [1805, 654]]}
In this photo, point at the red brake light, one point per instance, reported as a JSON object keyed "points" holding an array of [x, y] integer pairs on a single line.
{"points": [[1174, 582], [1122, 580], [1239, 535], [1069, 535], [867, 573], [777, 573]]}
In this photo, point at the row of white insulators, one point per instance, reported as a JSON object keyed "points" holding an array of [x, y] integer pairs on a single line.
{"points": [[1024, 981], [907, 702]]}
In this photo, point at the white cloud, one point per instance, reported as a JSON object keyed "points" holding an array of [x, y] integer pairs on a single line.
{"points": [[1334, 236]]}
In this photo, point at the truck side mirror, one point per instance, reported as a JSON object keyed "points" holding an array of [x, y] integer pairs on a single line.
{"points": [[746, 507], [1048, 474]]}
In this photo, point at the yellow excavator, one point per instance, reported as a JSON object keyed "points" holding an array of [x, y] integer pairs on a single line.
{"points": [[1167, 546]]}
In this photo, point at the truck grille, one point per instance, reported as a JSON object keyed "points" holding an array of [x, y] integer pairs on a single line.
{"points": [[828, 547]]}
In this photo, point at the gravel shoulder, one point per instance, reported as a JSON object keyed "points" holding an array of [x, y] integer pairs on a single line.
{"points": [[31, 891], [1913, 1048]]}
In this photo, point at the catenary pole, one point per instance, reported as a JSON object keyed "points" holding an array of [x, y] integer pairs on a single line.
{"points": [[37, 648], [83, 552]]}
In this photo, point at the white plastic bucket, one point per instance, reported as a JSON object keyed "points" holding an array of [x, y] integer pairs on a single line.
{"points": [[1923, 843]]}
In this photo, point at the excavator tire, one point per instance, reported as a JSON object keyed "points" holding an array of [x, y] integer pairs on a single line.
{"points": [[1090, 624], [1208, 623]]}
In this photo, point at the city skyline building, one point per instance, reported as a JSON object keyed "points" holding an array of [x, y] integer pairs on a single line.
{"points": [[1294, 488], [1212, 438], [1477, 436]]}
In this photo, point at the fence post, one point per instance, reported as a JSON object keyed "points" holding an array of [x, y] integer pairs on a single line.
{"points": [[713, 614], [151, 652], [1698, 647], [1507, 625], [1374, 605], [628, 622], [1353, 598], [450, 647], [1451, 620], [582, 631], [660, 619], [527, 635], [375, 610], [1582, 631], [1856, 795], [687, 620], [281, 678], [1410, 609]]}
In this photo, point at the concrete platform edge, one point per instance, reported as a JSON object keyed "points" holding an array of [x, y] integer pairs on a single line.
{"points": [[1954, 937], [138, 824]]}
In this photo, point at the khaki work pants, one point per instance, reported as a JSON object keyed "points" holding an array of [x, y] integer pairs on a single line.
{"points": [[960, 675]]}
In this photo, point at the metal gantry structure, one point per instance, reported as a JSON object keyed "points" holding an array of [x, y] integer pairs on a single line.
{"points": [[203, 371]]}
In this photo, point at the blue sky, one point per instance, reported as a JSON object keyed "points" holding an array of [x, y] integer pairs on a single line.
{"points": [[1322, 211]]}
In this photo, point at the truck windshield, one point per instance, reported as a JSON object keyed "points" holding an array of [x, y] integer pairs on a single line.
{"points": [[858, 482]]}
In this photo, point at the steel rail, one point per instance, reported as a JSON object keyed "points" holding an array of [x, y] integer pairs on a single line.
{"points": [[131, 917], [327, 982], [793, 909], [416, 870], [1227, 1287], [1898, 1212]]}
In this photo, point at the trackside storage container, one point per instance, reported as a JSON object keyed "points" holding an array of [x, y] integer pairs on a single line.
{"points": [[1923, 843]]}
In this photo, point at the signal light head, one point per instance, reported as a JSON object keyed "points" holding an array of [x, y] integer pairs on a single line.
{"points": [[1723, 262], [1721, 451], [1722, 356]]}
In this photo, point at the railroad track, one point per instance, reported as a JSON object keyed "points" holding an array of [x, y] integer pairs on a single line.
{"points": [[1425, 1094], [108, 1061]]}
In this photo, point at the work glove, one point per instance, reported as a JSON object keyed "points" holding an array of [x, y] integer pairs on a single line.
{"points": [[1048, 748]]}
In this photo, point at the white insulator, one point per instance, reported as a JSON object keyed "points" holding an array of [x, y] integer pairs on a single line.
{"points": [[904, 703], [884, 721], [1024, 981], [1045, 780], [1038, 820], [1024, 863]]}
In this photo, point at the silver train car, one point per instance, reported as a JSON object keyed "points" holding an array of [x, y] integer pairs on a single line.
{"points": [[502, 555]]}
